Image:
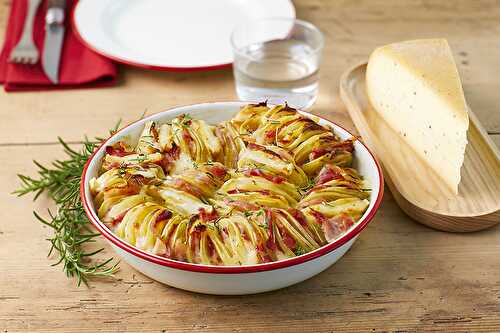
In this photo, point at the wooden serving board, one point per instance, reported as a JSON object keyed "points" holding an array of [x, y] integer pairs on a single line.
{"points": [[417, 189]]}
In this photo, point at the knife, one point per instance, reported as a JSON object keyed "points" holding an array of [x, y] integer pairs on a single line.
{"points": [[54, 35]]}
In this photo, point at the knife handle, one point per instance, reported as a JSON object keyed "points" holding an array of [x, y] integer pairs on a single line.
{"points": [[56, 3]]}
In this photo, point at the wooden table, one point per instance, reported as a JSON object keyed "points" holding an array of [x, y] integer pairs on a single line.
{"points": [[399, 276]]}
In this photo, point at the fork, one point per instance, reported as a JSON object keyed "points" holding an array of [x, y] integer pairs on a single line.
{"points": [[25, 52]]}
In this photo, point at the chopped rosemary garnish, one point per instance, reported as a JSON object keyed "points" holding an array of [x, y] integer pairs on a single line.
{"points": [[185, 120], [122, 170], [273, 121], [310, 184], [264, 225], [71, 228], [299, 250], [140, 158], [215, 224]]}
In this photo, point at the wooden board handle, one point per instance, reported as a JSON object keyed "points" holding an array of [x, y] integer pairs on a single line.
{"points": [[416, 188]]}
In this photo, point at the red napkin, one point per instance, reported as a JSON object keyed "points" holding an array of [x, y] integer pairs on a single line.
{"points": [[79, 66]]}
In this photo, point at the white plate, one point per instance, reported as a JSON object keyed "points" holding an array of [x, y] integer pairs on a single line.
{"points": [[168, 34]]}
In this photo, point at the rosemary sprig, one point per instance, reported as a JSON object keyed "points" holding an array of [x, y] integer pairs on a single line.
{"points": [[71, 227]]}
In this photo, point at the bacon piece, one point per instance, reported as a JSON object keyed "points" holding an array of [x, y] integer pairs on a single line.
{"points": [[320, 218], [298, 215], [336, 226], [261, 250], [254, 146], [195, 237], [118, 149], [218, 171], [264, 192], [270, 135], [211, 250], [287, 238], [289, 241], [327, 173], [186, 136], [347, 145], [268, 217], [165, 215], [174, 153], [189, 141], [199, 228], [266, 175], [154, 132], [182, 185], [334, 148], [245, 236], [170, 157], [207, 216], [271, 245], [137, 180], [119, 218], [317, 152], [220, 135], [109, 166], [243, 205]]}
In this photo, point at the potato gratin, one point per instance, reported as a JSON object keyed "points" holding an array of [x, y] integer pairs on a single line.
{"points": [[267, 185]]}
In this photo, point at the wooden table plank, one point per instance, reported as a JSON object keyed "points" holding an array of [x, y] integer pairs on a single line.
{"points": [[399, 275]]}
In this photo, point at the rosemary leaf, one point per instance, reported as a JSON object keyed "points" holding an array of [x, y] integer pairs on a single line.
{"points": [[71, 227]]}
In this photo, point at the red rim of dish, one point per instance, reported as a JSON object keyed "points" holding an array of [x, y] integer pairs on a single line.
{"points": [[142, 65], [325, 249]]}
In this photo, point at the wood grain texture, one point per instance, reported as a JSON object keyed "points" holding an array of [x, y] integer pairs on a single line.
{"points": [[419, 191], [399, 275]]}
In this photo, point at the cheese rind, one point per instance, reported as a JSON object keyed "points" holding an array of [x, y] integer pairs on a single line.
{"points": [[416, 88]]}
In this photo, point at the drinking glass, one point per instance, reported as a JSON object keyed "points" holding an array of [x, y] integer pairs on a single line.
{"points": [[277, 59]]}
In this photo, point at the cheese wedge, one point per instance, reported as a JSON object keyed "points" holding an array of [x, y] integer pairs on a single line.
{"points": [[416, 88]]}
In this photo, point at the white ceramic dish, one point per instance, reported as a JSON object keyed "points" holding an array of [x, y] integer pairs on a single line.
{"points": [[169, 35], [233, 280]]}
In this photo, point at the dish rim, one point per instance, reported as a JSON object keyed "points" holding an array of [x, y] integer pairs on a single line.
{"points": [[79, 37], [200, 268]]}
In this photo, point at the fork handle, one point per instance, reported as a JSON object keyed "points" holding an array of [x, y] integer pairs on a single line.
{"points": [[27, 36]]}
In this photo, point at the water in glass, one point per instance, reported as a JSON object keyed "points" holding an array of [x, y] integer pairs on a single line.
{"points": [[278, 71]]}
